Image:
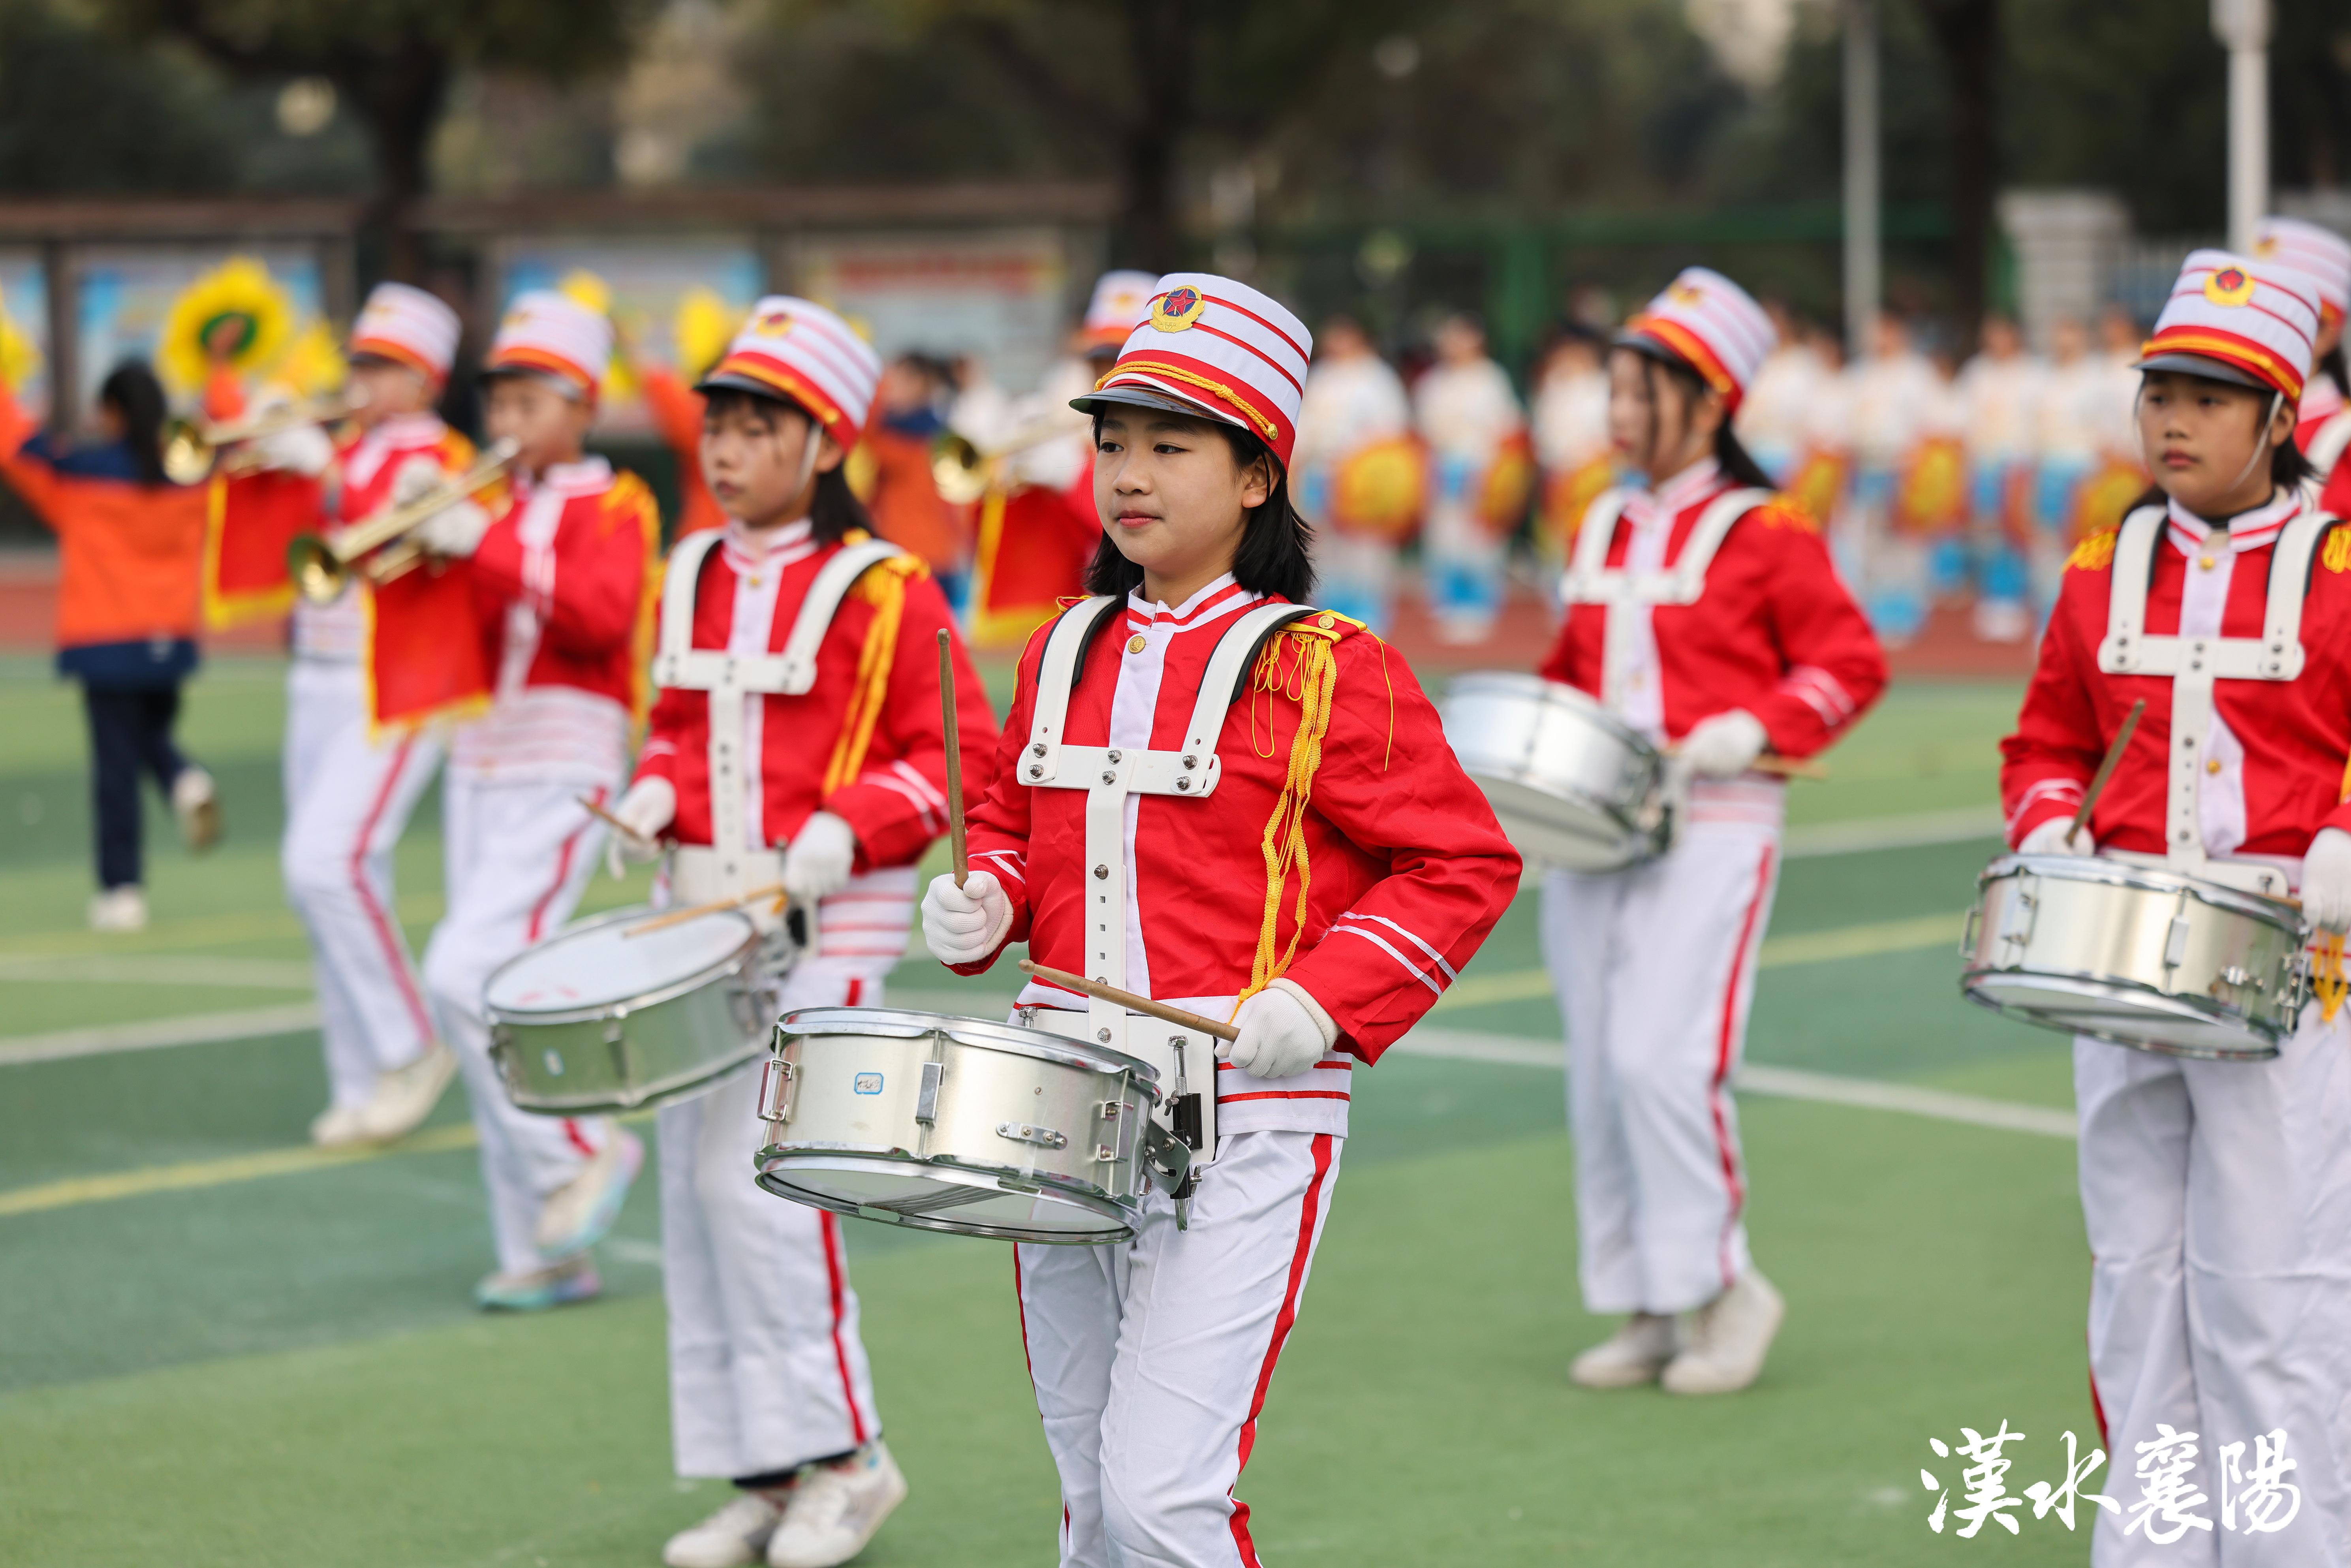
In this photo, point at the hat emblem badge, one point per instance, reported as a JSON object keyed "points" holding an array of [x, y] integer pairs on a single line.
{"points": [[2228, 285], [1177, 308]]}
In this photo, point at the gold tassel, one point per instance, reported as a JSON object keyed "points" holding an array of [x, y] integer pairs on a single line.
{"points": [[885, 587], [1315, 675], [2328, 981]]}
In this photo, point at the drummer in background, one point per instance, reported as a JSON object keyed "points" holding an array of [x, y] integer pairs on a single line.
{"points": [[1151, 1357], [1352, 401], [561, 587], [1465, 410], [2217, 1195], [1655, 965], [838, 791], [2324, 432]]}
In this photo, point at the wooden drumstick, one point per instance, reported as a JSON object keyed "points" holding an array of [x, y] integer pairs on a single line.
{"points": [[957, 858], [609, 821], [664, 921], [1131, 1002], [2106, 768], [1789, 766]]}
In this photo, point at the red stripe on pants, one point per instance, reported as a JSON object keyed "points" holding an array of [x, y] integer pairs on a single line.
{"points": [[396, 952], [1724, 1041], [1308, 1210], [562, 872], [838, 1277]]}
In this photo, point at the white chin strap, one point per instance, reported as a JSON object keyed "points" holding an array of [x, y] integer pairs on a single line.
{"points": [[2261, 447]]}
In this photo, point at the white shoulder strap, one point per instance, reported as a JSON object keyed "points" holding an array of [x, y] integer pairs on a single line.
{"points": [[2326, 447], [1196, 766], [1705, 537], [2121, 654], [1056, 667], [681, 579], [2281, 652], [1592, 538], [833, 580]]}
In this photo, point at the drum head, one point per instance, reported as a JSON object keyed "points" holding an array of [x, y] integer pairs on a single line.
{"points": [[604, 963], [931, 1196], [2121, 1015]]}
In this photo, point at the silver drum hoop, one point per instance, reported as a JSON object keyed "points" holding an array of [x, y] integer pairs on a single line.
{"points": [[1573, 785]]}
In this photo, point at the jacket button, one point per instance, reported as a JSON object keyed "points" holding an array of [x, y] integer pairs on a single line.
{"points": [[1102, 870], [1136, 644]]}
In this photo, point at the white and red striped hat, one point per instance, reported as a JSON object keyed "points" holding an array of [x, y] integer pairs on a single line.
{"points": [[798, 351], [1216, 348], [1710, 324], [1120, 300], [408, 326], [2232, 319], [552, 335], [2317, 252]]}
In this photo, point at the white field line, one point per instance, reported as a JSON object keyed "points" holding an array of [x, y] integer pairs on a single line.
{"points": [[1912, 832], [155, 1034], [160, 969]]}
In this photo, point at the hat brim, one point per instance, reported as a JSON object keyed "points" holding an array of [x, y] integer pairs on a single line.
{"points": [[1141, 397], [732, 381], [2208, 369], [568, 386]]}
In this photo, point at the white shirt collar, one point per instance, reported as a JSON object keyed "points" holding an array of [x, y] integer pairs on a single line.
{"points": [[1223, 592], [1686, 488], [751, 552], [585, 478], [2246, 530]]}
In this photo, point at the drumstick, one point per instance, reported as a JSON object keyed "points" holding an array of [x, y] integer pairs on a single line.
{"points": [[610, 820], [2106, 767], [662, 922], [957, 857], [1131, 1002], [1789, 766]]}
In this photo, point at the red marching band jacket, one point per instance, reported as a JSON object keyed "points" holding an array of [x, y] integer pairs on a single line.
{"points": [[563, 590], [1773, 631], [2270, 769], [1391, 866], [866, 742]]}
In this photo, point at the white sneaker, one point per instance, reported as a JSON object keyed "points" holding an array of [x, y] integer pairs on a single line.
{"points": [[578, 1214], [120, 908], [1728, 1338], [407, 1095], [733, 1537], [1631, 1356], [834, 1509], [196, 806], [338, 1127]]}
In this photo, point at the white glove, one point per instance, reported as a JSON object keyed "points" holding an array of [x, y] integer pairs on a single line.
{"points": [[822, 854], [1723, 744], [455, 531], [964, 924], [304, 449], [1284, 1032], [2326, 881], [416, 476], [649, 807], [2051, 839]]}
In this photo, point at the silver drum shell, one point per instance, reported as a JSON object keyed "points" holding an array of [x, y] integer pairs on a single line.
{"points": [[950, 1124], [662, 1045], [2144, 957], [1573, 785]]}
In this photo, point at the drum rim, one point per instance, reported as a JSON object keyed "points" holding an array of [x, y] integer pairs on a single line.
{"points": [[1064, 1049], [1542, 688], [2149, 879], [736, 963], [2275, 1034], [1085, 1196]]}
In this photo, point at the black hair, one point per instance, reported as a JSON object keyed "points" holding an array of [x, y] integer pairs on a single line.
{"points": [[835, 509], [1737, 464], [2331, 363], [134, 394], [1271, 557]]}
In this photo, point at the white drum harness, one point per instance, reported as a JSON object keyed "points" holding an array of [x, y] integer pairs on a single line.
{"points": [[1590, 581]]}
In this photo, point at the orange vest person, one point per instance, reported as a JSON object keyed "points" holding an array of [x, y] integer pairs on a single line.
{"points": [[130, 543]]}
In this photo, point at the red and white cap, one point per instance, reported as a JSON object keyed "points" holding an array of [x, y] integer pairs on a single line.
{"points": [[553, 335], [1214, 348], [2232, 319], [798, 350], [2315, 251], [1121, 300], [1709, 324], [408, 326]]}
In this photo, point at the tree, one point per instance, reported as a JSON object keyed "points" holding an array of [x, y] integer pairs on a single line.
{"points": [[394, 61], [1967, 37]]}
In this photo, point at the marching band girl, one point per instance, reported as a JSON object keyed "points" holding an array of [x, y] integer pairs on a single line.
{"points": [[804, 747], [2217, 1195], [1703, 612], [352, 775], [2322, 432], [1263, 803], [560, 582]]}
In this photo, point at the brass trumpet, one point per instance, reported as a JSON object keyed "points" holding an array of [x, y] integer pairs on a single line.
{"points": [[963, 472], [376, 547], [197, 449]]}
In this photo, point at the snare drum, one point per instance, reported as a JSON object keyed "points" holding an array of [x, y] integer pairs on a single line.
{"points": [[1572, 784], [595, 1018], [960, 1124], [2139, 957]]}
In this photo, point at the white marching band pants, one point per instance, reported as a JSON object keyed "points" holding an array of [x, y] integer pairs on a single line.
{"points": [[348, 799], [2217, 1199], [1656, 972], [766, 1370], [519, 855], [1151, 1357]]}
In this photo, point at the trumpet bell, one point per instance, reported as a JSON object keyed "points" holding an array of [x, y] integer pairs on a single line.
{"points": [[958, 469], [187, 455], [320, 576]]}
